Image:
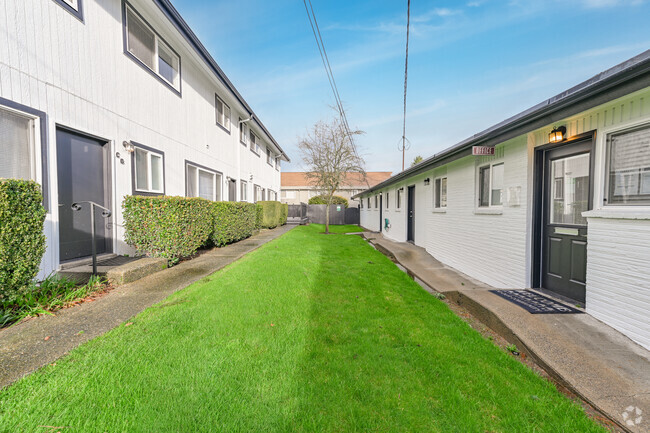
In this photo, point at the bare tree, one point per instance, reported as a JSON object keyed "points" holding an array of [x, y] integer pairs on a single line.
{"points": [[329, 156]]}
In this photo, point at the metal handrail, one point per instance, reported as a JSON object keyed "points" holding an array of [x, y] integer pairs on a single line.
{"points": [[106, 213]]}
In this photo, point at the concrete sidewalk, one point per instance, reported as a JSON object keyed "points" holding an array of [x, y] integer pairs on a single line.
{"points": [[29, 345], [596, 362]]}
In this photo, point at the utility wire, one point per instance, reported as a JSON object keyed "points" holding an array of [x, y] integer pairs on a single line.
{"points": [[328, 69], [406, 70]]}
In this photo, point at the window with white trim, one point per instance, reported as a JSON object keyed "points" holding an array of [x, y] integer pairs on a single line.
{"points": [[149, 175], [269, 156], [387, 199], [257, 191], [254, 141], [289, 194], [277, 163], [203, 183], [17, 146], [490, 185], [400, 191], [223, 112], [244, 190], [377, 202], [628, 167], [440, 193], [145, 45], [243, 136], [368, 202]]}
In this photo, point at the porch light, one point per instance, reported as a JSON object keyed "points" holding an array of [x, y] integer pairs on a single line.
{"points": [[128, 146], [557, 134], [427, 181]]}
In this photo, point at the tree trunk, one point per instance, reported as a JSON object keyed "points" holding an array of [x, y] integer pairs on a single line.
{"points": [[327, 219]]}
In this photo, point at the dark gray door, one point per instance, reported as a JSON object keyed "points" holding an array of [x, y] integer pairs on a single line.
{"points": [[232, 190], [410, 210], [82, 171], [567, 191]]}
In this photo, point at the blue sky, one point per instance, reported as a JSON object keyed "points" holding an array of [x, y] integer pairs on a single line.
{"points": [[471, 64]]}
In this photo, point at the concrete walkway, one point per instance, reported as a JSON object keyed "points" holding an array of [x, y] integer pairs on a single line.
{"points": [[29, 345], [596, 362]]}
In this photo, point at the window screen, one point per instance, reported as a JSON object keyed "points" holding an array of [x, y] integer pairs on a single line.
{"points": [[484, 186], [497, 185], [15, 146], [206, 185], [167, 63], [629, 167], [141, 170], [141, 41]]}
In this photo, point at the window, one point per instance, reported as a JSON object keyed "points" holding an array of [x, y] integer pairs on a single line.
{"points": [[361, 203], [440, 193], [17, 143], [368, 202], [387, 200], [254, 140], [244, 190], [202, 182], [257, 193], [376, 202], [490, 185], [243, 137], [273, 196], [628, 166], [148, 171], [269, 156], [223, 113], [399, 198], [72, 6], [145, 45], [289, 194], [277, 163]]}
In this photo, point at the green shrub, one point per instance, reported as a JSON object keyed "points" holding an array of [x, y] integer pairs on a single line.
{"points": [[284, 213], [271, 214], [169, 227], [22, 242], [232, 221], [259, 215], [321, 199]]}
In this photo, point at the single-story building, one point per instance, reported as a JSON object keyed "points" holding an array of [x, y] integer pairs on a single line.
{"points": [[103, 99], [298, 188], [556, 197]]}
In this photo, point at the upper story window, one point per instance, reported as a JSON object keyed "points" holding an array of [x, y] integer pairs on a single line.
{"points": [[202, 182], [254, 142], [150, 50], [148, 171], [628, 167], [440, 193], [17, 138], [490, 185], [72, 6], [223, 113], [269, 156], [277, 163], [243, 136]]}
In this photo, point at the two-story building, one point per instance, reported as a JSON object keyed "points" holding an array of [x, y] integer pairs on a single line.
{"points": [[100, 99], [556, 198]]}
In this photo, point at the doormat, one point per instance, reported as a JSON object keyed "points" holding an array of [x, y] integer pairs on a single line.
{"points": [[534, 302]]}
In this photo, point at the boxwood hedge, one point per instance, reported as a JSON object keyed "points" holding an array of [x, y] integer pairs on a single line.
{"points": [[232, 221], [22, 242], [274, 214]]}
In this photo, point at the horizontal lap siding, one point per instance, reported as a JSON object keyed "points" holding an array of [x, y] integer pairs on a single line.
{"points": [[618, 277]]}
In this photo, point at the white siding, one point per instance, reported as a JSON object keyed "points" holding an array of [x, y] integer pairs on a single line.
{"points": [[77, 73]]}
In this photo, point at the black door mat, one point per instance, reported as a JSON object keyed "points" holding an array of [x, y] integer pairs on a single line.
{"points": [[534, 302]]}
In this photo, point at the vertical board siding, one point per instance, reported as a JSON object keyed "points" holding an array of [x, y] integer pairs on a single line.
{"points": [[77, 73]]}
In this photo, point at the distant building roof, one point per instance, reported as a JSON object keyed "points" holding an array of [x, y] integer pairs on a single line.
{"points": [[299, 178]]}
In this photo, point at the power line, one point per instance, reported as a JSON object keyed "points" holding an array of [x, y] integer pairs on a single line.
{"points": [[330, 75], [406, 70]]}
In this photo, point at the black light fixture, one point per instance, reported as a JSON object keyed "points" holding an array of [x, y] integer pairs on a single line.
{"points": [[427, 181], [557, 134]]}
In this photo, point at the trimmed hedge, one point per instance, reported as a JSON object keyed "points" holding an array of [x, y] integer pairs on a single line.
{"points": [[232, 221], [169, 227], [273, 214], [337, 199], [259, 215], [22, 242]]}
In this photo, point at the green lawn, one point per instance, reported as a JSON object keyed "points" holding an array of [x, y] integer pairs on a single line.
{"points": [[310, 333], [348, 228]]}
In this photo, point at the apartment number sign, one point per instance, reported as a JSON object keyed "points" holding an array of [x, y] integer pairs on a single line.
{"points": [[482, 150]]}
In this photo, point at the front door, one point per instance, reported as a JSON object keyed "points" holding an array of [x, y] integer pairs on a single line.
{"points": [[564, 232], [82, 169], [410, 214]]}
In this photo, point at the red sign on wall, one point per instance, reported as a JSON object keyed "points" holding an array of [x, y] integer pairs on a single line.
{"points": [[482, 150]]}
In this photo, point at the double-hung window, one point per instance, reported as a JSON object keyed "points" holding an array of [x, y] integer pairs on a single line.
{"points": [[255, 147], [257, 193], [277, 163], [628, 167], [490, 185], [203, 182], [149, 172], [399, 198], [440, 193], [244, 190], [223, 113], [150, 50], [17, 146], [269, 156], [243, 136]]}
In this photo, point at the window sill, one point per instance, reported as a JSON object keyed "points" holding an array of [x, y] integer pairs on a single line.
{"points": [[155, 75], [624, 214], [255, 152], [439, 210], [488, 211], [243, 143], [224, 128]]}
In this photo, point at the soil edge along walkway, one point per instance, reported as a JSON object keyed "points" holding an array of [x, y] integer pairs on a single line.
{"points": [[34, 343]]}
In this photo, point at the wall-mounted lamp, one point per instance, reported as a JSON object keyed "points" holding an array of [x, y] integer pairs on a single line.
{"points": [[427, 181], [128, 146], [557, 134]]}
